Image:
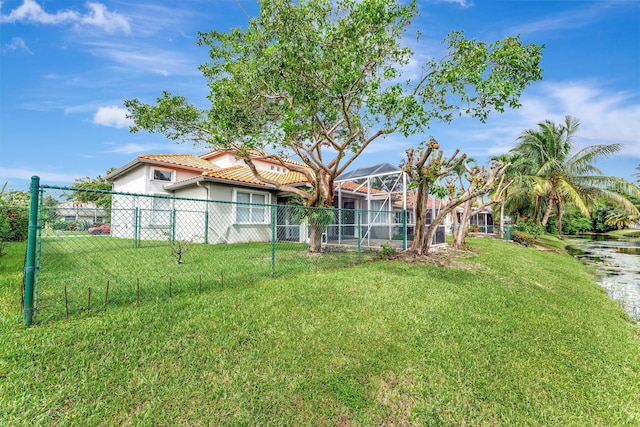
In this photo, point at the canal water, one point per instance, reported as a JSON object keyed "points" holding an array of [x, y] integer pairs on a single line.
{"points": [[617, 263]]}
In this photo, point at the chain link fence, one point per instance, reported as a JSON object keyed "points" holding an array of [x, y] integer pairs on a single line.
{"points": [[137, 247]]}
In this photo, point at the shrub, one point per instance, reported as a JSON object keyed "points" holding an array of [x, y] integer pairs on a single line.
{"points": [[4, 233], [529, 227], [523, 238], [60, 225], [386, 251], [15, 223], [572, 224], [178, 250], [84, 225]]}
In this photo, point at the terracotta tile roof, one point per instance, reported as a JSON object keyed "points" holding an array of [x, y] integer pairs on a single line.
{"points": [[244, 174], [255, 154], [188, 160], [411, 200]]}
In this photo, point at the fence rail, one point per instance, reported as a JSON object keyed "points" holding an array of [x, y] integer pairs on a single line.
{"points": [[139, 247]]}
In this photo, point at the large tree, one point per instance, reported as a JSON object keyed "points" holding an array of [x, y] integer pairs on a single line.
{"points": [[98, 190], [559, 176], [463, 185], [321, 80]]}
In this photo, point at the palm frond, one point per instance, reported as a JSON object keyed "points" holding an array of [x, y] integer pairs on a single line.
{"points": [[574, 196]]}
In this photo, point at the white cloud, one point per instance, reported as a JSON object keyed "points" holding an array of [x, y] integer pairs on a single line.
{"points": [[112, 116], [134, 148], [573, 18], [607, 117], [17, 173], [461, 3], [16, 43], [145, 58], [30, 11], [98, 16]]}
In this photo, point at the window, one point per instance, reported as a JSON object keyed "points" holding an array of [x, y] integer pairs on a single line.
{"points": [[161, 213], [161, 175], [379, 213], [250, 208]]}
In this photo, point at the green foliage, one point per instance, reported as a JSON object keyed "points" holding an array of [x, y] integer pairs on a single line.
{"points": [[61, 225], [387, 251], [599, 218], [322, 79], [14, 217], [14, 223], [529, 227], [99, 183], [320, 217], [48, 212], [83, 224], [554, 177], [15, 198], [573, 222], [523, 238], [5, 231]]}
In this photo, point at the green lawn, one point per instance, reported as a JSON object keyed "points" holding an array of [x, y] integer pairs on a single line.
{"points": [[505, 336], [82, 267]]}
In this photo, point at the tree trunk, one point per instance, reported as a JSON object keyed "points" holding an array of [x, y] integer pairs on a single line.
{"points": [[547, 212], [418, 246], [433, 227], [559, 206], [502, 230], [323, 199], [315, 237], [461, 237], [455, 225]]}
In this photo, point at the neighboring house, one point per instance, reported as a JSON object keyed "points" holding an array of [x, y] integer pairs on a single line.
{"points": [[218, 176], [482, 221], [182, 182], [75, 211]]}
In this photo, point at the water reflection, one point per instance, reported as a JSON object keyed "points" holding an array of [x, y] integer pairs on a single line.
{"points": [[617, 263]]}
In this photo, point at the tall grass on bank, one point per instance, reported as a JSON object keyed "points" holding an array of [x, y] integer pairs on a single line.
{"points": [[505, 336]]}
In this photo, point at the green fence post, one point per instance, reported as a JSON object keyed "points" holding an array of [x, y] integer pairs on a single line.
{"points": [[173, 225], [136, 214], [273, 240], [30, 264], [206, 225], [404, 230]]}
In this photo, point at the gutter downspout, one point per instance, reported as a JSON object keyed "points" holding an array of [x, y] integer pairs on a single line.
{"points": [[206, 213]]}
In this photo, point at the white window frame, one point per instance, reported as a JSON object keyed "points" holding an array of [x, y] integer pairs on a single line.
{"points": [[159, 215], [153, 174], [251, 207], [379, 215]]}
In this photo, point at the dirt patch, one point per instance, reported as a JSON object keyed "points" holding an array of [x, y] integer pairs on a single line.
{"points": [[441, 256]]}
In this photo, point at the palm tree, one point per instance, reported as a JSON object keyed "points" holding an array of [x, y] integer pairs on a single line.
{"points": [[516, 197], [557, 176]]}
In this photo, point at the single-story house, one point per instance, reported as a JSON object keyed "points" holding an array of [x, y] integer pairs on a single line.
{"points": [[239, 209], [75, 211]]}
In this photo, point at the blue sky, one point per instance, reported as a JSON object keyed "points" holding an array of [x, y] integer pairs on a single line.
{"points": [[67, 66]]}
